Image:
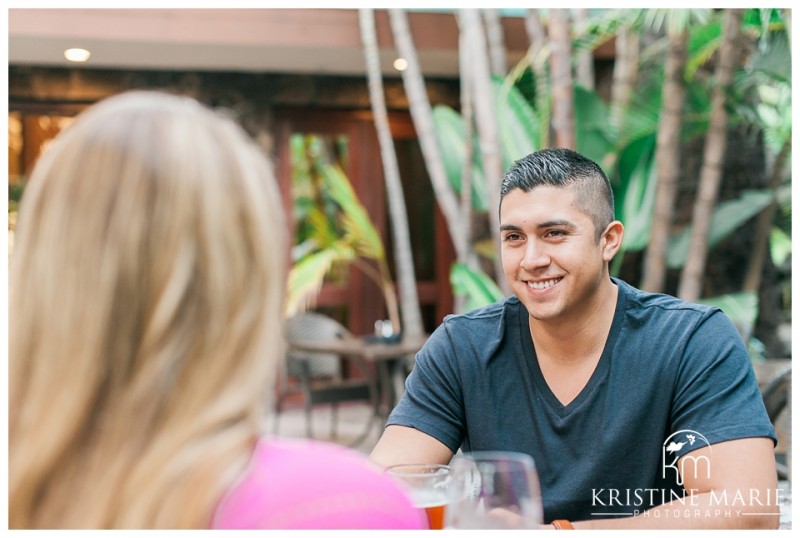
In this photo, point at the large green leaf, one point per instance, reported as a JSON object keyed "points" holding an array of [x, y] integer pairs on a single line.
{"points": [[476, 286], [780, 246], [518, 123], [518, 128], [637, 204], [635, 162], [727, 217], [307, 275], [591, 125], [451, 136], [449, 130]]}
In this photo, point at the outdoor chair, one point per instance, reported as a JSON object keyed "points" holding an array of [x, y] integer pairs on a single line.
{"points": [[323, 377]]}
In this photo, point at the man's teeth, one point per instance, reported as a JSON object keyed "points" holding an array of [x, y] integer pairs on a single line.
{"points": [[543, 285]]}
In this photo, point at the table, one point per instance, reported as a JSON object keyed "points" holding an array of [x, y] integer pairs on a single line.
{"points": [[387, 358]]}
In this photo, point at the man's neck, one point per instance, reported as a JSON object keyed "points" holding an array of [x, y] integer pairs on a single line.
{"points": [[581, 337]]}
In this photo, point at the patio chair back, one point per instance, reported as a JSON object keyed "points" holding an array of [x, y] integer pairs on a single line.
{"points": [[325, 378]]}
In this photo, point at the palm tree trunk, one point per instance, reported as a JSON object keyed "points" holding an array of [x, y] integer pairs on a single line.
{"points": [[584, 68], [496, 41], [538, 55], [667, 162], [467, 113], [561, 75], [787, 17], [422, 117], [690, 287], [752, 279], [467, 102], [403, 255], [626, 70], [626, 67], [486, 116]]}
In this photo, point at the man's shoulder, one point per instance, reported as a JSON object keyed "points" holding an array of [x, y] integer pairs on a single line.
{"points": [[654, 302], [486, 324]]}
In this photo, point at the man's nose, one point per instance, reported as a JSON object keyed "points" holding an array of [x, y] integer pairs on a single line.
{"points": [[535, 256]]}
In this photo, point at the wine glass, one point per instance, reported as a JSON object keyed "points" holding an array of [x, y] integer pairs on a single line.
{"points": [[494, 490], [429, 486]]}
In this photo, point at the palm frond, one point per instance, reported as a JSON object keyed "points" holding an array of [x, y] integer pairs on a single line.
{"points": [[476, 286], [704, 41], [727, 217], [358, 226], [308, 274]]}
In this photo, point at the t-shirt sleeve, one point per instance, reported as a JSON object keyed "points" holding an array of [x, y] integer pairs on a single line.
{"points": [[313, 485], [432, 401], [717, 392]]}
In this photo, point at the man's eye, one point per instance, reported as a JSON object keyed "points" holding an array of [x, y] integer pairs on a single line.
{"points": [[513, 237], [555, 233]]}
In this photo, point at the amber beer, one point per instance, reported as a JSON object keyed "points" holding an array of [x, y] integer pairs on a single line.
{"points": [[428, 486], [435, 516]]}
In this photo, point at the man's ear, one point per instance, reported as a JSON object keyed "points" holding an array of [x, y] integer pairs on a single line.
{"points": [[611, 240]]}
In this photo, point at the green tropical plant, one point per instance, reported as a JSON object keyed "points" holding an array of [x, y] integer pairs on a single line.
{"points": [[451, 136], [475, 285], [324, 249], [633, 148], [521, 125], [728, 216], [780, 246], [519, 135]]}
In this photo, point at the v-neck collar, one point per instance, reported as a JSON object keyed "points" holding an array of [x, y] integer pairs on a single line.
{"points": [[600, 370]]}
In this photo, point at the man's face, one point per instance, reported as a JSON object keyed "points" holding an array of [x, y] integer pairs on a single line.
{"points": [[551, 258]]}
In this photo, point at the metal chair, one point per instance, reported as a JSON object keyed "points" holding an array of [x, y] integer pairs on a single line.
{"points": [[322, 376]]}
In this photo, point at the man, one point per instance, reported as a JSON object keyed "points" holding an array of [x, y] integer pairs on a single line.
{"points": [[640, 410]]}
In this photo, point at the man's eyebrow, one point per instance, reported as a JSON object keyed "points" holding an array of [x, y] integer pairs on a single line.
{"points": [[546, 224], [556, 223]]}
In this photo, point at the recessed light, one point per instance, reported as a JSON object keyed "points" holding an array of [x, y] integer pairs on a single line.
{"points": [[401, 64], [77, 55]]}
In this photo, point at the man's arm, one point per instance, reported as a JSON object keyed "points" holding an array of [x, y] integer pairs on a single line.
{"points": [[739, 492], [401, 444]]}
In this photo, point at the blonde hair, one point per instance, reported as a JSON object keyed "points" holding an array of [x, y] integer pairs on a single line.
{"points": [[146, 289]]}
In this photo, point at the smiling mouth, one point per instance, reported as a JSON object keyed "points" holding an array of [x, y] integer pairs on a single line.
{"points": [[543, 284]]}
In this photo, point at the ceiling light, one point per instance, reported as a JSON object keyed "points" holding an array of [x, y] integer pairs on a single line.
{"points": [[401, 64], [77, 55]]}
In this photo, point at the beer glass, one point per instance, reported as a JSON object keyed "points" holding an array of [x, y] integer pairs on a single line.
{"points": [[429, 486], [494, 490]]}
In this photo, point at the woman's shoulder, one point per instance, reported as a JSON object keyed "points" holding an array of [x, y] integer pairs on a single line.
{"points": [[306, 484]]}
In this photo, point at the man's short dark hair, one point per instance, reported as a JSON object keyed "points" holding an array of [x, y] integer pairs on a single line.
{"points": [[561, 168]]}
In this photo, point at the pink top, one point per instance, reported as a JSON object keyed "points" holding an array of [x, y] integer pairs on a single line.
{"points": [[304, 484]]}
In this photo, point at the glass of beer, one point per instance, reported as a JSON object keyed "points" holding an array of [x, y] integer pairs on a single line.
{"points": [[429, 486], [494, 490]]}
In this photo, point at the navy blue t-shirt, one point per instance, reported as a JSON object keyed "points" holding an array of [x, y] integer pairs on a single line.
{"points": [[673, 377]]}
